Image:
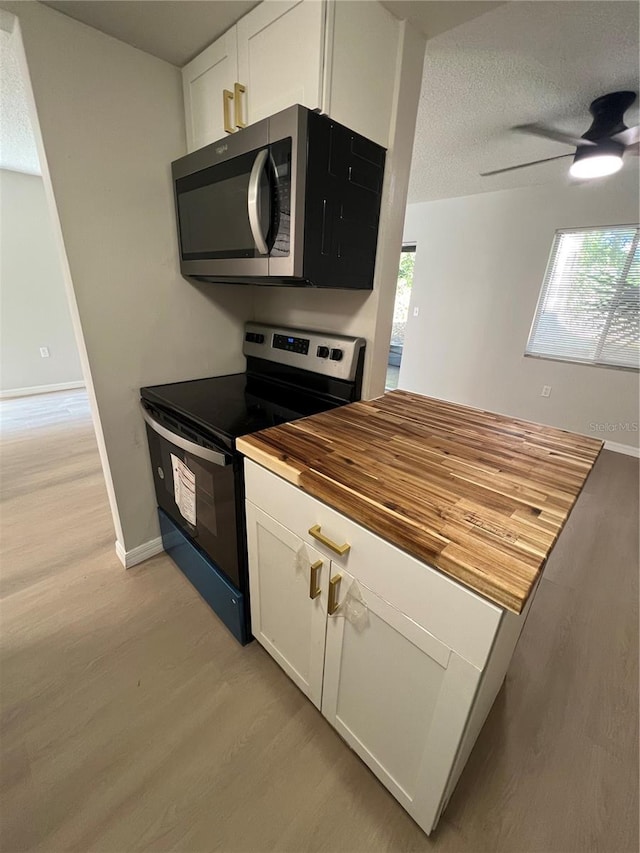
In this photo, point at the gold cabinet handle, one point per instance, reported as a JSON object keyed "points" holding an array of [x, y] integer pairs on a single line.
{"points": [[227, 96], [314, 589], [238, 91], [334, 586], [316, 532]]}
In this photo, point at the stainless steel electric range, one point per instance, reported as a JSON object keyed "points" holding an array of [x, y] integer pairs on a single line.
{"points": [[192, 429]]}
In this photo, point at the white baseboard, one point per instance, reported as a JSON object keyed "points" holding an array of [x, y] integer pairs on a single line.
{"points": [[140, 554], [622, 448], [40, 389]]}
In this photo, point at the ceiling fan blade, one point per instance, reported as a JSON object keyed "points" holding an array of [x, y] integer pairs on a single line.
{"points": [[628, 137], [550, 133], [524, 165]]}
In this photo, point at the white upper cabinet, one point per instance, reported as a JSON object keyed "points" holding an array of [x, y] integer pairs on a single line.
{"points": [[280, 56], [273, 58], [339, 57], [360, 67], [204, 82]]}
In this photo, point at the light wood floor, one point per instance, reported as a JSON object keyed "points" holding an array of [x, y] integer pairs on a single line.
{"points": [[131, 720]]}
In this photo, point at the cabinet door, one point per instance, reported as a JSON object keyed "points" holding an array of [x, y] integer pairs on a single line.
{"points": [[288, 582], [361, 68], [398, 696], [280, 56], [204, 80]]}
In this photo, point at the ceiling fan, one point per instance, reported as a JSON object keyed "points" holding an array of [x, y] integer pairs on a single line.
{"points": [[599, 150]]}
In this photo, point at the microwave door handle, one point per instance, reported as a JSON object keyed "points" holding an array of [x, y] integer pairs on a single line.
{"points": [[254, 199], [190, 446]]}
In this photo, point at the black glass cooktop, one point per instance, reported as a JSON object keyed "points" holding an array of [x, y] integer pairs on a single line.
{"points": [[231, 406]]}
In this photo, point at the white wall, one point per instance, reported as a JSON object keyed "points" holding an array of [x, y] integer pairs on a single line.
{"points": [[111, 120], [34, 311], [480, 262]]}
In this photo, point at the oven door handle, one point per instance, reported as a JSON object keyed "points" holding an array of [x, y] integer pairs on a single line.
{"points": [[191, 447], [254, 199]]}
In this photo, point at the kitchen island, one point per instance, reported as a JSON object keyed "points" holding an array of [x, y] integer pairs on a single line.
{"points": [[395, 546]]}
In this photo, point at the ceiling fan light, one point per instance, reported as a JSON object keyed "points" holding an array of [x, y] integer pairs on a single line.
{"points": [[596, 167], [596, 162]]}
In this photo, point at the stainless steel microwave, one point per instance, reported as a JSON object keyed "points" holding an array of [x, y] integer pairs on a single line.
{"points": [[291, 200]]}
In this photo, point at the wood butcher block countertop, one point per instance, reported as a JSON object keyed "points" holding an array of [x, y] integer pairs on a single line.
{"points": [[480, 496]]}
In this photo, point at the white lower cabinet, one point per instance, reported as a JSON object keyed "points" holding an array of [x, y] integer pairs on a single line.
{"points": [[288, 609], [397, 695], [403, 661]]}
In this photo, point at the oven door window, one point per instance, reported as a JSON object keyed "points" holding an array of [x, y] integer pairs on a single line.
{"points": [[213, 210], [200, 497]]}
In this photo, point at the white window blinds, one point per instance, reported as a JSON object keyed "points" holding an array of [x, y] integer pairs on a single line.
{"points": [[589, 306]]}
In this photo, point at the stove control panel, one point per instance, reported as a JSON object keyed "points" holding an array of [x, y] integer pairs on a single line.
{"points": [[290, 343], [319, 352]]}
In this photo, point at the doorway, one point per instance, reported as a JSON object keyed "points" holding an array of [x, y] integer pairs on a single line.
{"points": [[400, 315]]}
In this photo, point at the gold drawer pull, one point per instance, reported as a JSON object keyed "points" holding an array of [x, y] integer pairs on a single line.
{"points": [[227, 96], [315, 531], [334, 586], [238, 92], [314, 589]]}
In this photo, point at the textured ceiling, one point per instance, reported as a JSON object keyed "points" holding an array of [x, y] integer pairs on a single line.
{"points": [[519, 63], [17, 144], [174, 30]]}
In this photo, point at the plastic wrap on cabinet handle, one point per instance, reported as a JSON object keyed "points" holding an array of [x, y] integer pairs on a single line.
{"points": [[334, 587], [314, 589]]}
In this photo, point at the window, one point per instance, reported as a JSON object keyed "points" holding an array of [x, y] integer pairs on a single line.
{"points": [[589, 306]]}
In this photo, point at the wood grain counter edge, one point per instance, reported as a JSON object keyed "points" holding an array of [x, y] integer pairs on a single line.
{"points": [[255, 450]]}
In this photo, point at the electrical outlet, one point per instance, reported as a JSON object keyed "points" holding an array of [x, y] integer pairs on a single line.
{"points": [[416, 311], [44, 352], [546, 391]]}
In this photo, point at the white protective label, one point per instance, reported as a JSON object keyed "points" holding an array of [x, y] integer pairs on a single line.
{"points": [[184, 489]]}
